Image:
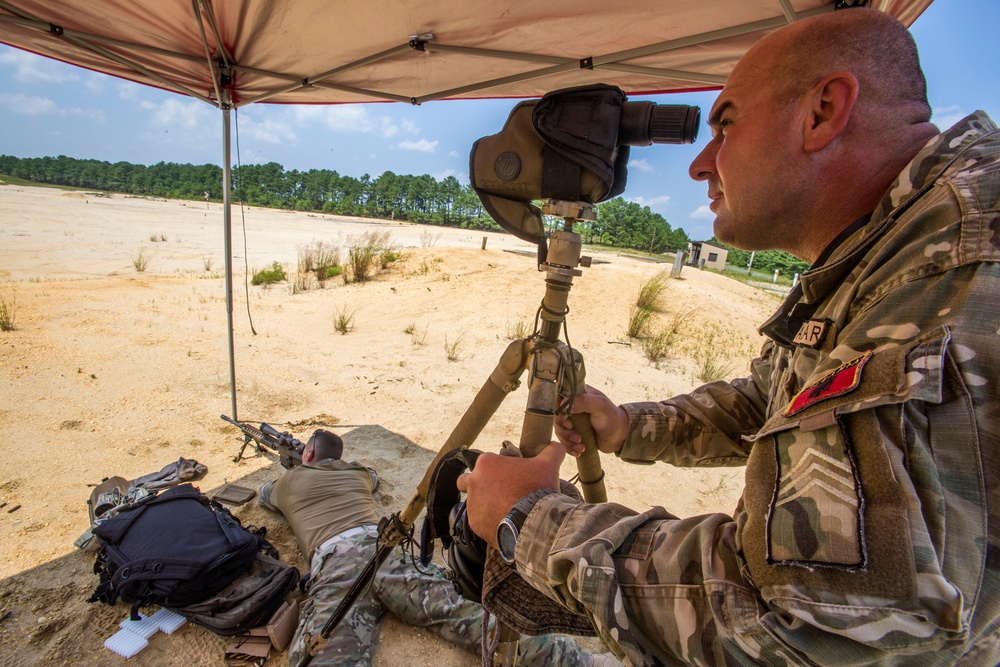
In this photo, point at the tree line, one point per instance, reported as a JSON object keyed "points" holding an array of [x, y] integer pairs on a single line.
{"points": [[423, 199], [764, 261]]}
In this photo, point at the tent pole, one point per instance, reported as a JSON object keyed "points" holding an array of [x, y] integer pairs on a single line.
{"points": [[227, 217]]}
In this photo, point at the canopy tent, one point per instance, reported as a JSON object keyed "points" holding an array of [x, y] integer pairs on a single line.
{"points": [[231, 53]]}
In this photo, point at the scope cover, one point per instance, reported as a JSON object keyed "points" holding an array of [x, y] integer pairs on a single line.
{"points": [[563, 146]]}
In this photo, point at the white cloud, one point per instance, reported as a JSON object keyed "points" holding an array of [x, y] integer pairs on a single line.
{"points": [[409, 126], [641, 165], [653, 202], [129, 91], [269, 130], [27, 105], [95, 83], [188, 115], [702, 213], [32, 105], [187, 124], [945, 117], [421, 145], [445, 174], [30, 68], [453, 154], [346, 118]]}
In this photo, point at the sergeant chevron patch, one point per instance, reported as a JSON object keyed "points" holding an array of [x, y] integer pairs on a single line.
{"points": [[815, 515], [837, 382]]}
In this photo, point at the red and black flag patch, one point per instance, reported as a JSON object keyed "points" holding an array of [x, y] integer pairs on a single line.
{"points": [[837, 382]]}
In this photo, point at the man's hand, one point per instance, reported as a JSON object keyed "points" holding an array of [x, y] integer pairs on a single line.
{"points": [[497, 482], [610, 423]]}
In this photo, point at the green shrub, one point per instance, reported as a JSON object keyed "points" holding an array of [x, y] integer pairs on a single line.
{"points": [[343, 321], [365, 254], [639, 320], [714, 368], [140, 260], [7, 309], [655, 347], [651, 293], [453, 348], [275, 274]]}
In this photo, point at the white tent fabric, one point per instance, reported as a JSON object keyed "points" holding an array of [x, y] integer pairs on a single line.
{"points": [[231, 53], [317, 51]]}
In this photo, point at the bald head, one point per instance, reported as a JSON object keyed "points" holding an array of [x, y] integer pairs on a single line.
{"points": [[812, 127], [876, 48]]}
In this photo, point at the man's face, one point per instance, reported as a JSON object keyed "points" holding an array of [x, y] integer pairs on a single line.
{"points": [[749, 165]]}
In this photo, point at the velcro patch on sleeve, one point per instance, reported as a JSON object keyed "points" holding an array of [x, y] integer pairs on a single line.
{"points": [[812, 333], [839, 381]]}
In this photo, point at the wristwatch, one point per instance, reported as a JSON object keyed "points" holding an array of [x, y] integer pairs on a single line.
{"points": [[510, 527]]}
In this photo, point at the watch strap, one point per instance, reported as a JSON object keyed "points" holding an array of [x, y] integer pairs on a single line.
{"points": [[522, 508]]}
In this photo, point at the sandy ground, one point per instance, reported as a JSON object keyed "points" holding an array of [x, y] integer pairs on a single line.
{"points": [[114, 372]]}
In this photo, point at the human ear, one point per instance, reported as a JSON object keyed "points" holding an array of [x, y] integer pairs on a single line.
{"points": [[829, 106]]}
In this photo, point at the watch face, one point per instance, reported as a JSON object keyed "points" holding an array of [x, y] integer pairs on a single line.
{"points": [[506, 540]]}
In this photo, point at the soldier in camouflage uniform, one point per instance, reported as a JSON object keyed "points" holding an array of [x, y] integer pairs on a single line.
{"points": [[869, 528], [328, 503]]}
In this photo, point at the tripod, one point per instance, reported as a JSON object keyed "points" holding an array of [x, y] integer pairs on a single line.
{"points": [[556, 375]]}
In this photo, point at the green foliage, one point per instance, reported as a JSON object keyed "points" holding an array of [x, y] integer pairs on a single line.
{"points": [[712, 368], [518, 330], [8, 307], [398, 197], [343, 321], [365, 253], [626, 224], [140, 260], [764, 261], [453, 348], [639, 320], [651, 293], [275, 274], [656, 346]]}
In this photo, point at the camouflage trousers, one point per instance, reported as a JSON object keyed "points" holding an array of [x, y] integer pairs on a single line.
{"points": [[424, 600]]}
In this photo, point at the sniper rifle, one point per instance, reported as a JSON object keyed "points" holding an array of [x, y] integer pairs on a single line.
{"points": [[268, 439]]}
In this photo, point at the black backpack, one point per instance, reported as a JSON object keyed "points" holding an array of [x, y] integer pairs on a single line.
{"points": [[176, 549]]}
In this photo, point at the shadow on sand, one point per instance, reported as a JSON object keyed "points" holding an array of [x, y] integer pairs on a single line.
{"points": [[46, 620]]}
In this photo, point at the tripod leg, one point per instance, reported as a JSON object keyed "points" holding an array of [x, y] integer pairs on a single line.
{"points": [[589, 463]]}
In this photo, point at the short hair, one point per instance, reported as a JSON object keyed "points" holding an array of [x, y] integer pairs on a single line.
{"points": [[326, 445], [870, 44]]}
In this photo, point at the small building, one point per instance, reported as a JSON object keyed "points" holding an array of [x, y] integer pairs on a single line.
{"points": [[706, 255]]}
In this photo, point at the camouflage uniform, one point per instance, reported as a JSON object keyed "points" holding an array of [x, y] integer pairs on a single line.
{"points": [[425, 599], [869, 528]]}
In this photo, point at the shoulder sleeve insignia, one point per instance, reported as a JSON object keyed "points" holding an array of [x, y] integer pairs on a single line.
{"points": [[837, 382], [812, 333]]}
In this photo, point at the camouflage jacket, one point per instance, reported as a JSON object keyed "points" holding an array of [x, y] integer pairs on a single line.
{"points": [[869, 528]]}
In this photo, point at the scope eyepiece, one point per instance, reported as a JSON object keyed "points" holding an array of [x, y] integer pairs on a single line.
{"points": [[645, 123]]}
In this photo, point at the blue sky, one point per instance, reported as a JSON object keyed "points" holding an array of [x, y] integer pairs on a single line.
{"points": [[49, 108]]}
